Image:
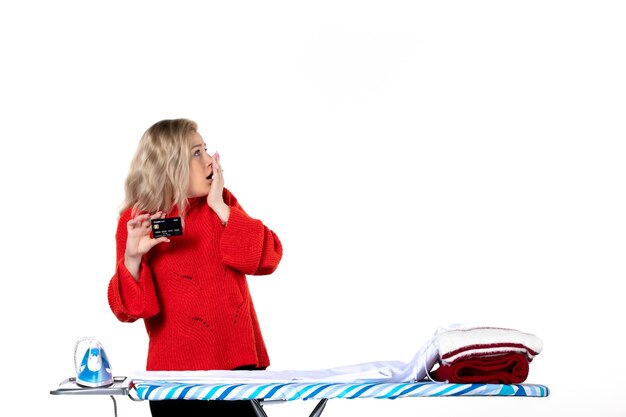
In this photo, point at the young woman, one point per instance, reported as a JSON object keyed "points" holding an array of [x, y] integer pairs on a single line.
{"points": [[190, 290]]}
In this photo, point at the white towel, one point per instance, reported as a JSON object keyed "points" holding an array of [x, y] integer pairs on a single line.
{"points": [[461, 343]]}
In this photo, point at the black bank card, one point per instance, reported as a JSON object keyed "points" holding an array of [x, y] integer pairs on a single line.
{"points": [[170, 226]]}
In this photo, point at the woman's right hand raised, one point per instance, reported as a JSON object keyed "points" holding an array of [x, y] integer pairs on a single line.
{"points": [[139, 242]]}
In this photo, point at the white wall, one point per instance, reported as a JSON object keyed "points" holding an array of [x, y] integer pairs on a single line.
{"points": [[424, 163]]}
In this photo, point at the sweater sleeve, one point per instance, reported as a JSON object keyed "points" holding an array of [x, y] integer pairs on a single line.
{"points": [[130, 299], [247, 244]]}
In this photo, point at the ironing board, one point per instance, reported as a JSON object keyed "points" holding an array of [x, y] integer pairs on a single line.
{"points": [[139, 390], [378, 380]]}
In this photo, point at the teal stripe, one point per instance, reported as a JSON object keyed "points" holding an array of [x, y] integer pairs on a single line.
{"points": [[393, 391], [140, 391], [257, 391], [209, 395], [172, 390], [150, 389], [521, 392], [275, 389], [362, 391], [320, 389], [444, 391], [307, 388], [346, 391], [228, 391], [425, 389], [300, 389], [398, 387], [376, 392], [506, 390], [467, 391]]}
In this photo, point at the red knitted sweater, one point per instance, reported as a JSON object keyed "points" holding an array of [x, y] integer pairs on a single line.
{"points": [[192, 291]]}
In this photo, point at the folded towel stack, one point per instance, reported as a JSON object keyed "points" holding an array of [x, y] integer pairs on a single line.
{"points": [[487, 355]]}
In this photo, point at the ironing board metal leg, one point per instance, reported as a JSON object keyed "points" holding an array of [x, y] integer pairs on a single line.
{"points": [[317, 411], [114, 405], [258, 409]]}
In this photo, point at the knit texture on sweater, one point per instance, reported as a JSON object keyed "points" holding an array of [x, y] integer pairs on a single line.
{"points": [[192, 292]]}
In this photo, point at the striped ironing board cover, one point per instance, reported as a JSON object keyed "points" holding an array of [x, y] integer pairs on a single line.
{"points": [[166, 390]]}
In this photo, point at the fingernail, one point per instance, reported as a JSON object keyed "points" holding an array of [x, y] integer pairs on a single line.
{"points": [[217, 155]]}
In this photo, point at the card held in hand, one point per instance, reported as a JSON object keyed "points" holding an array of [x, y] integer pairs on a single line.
{"points": [[170, 226]]}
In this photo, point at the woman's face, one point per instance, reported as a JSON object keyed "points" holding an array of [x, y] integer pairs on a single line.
{"points": [[200, 168]]}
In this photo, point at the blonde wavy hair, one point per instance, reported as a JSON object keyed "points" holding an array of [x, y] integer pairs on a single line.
{"points": [[158, 177]]}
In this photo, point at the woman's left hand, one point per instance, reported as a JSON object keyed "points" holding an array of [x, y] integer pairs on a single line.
{"points": [[215, 198]]}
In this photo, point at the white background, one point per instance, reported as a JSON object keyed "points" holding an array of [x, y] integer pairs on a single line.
{"points": [[424, 163]]}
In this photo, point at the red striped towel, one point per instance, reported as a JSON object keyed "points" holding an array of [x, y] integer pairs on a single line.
{"points": [[510, 368], [485, 355]]}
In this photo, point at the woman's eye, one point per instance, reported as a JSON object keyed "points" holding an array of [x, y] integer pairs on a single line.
{"points": [[196, 153]]}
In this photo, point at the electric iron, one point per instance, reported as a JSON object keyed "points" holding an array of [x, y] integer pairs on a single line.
{"points": [[94, 370]]}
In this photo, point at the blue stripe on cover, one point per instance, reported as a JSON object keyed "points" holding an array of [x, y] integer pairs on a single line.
{"points": [[155, 390]]}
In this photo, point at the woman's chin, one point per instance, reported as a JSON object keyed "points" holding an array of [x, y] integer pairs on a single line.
{"points": [[198, 194]]}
